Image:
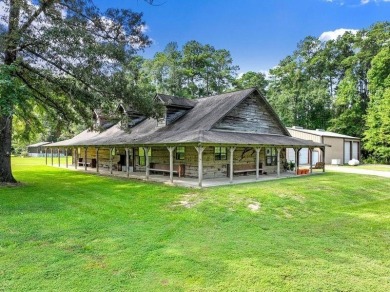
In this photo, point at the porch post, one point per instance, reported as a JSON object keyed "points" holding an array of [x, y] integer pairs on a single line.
{"points": [[323, 158], [200, 150], [58, 153], [110, 160], [231, 162], [257, 161], [46, 155], [97, 159], [171, 149], [127, 161], [76, 160], [147, 171], [52, 157], [66, 158], [278, 161], [311, 159], [296, 150], [85, 158]]}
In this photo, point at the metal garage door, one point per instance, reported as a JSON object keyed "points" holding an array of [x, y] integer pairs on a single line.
{"points": [[347, 152], [355, 150], [304, 156], [315, 157], [290, 154]]}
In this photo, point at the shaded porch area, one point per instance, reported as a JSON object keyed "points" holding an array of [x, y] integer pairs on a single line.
{"points": [[188, 181], [202, 166]]}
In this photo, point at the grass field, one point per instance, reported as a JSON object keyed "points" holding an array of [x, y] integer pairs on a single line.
{"points": [[69, 231]]}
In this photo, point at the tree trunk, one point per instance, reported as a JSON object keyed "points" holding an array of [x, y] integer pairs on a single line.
{"points": [[5, 150], [6, 119]]}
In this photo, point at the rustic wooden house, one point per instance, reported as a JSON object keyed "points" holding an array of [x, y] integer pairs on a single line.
{"points": [[226, 135]]}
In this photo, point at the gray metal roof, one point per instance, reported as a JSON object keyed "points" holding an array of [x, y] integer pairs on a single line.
{"points": [[38, 144], [194, 127], [322, 133]]}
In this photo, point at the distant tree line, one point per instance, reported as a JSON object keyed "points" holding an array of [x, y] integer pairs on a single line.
{"points": [[342, 85], [193, 71]]}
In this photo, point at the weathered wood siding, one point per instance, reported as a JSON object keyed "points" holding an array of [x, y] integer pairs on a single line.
{"points": [[212, 168], [252, 115]]}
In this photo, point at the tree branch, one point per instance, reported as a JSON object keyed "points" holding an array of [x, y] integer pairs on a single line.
{"points": [[62, 69], [45, 97], [35, 15]]}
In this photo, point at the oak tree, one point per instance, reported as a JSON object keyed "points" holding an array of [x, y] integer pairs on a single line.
{"points": [[67, 56]]}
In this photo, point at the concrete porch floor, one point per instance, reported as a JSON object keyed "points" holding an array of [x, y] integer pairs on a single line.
{"points": [[186, 181]]}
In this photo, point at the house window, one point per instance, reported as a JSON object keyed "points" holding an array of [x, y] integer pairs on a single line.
{"points": [[220, 153], [270, 156], [180, 151], [142, 156]]}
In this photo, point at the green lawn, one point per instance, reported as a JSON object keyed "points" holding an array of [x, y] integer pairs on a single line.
{"points": [[69, 231]]}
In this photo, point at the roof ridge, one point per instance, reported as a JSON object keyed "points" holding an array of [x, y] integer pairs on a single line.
{"points": [[224, 93]]}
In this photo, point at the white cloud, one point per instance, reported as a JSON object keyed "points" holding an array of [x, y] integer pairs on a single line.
{"points": [[355, 3], [334, 34]]}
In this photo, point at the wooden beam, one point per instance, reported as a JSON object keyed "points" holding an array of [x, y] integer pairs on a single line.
{"points": [[85, 158], [200, 150], [147, 167], [127, 161], [76, 160], [110, 160], [278, 161], [323, 158], [311, 159], [296, 150], [231, 163], [46, 155], [66, 158], [59, 159], [171, 149], [97, 159], [257, 149], [52, 157]]}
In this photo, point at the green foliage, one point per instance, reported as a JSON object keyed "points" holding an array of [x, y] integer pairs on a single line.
{"points": [[68, 57], [12, 91], [252, 79], [298, 97], [349, 113], [194, 71], [66, 230], [340, 85], [377, 134]]}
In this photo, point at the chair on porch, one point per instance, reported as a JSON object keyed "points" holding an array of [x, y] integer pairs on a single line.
{"points": [[319, 165]]}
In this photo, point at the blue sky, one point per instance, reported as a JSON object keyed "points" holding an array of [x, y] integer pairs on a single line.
{"points": [[258, 33]]}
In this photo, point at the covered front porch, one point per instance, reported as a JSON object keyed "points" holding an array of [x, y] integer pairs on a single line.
{"points": [[189, 182], [190, 165]]}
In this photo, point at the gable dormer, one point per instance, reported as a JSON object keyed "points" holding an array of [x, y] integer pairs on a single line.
{"points": [[130, 116], [252, 115], [101, 120], [173, 108]]}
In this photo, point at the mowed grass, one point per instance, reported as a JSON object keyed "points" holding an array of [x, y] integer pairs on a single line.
{"points": [[69, 231]]}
